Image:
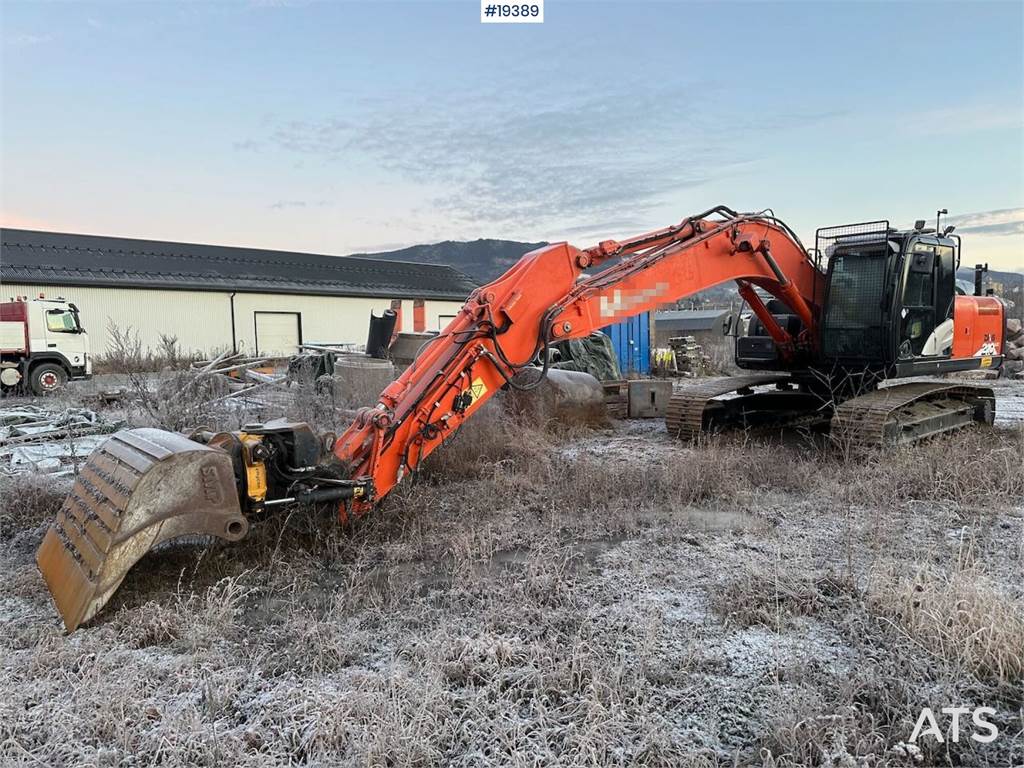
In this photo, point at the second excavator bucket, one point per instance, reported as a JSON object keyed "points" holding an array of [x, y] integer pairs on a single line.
{"points": [[140, 488]]}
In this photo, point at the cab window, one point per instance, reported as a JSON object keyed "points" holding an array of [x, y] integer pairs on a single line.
{"points": [[919, 290], [945, 280], [918, 312], [60, 321], [928, 296]]}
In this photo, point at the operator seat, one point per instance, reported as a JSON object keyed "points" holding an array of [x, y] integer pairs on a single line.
{"points": [[940, 342]]}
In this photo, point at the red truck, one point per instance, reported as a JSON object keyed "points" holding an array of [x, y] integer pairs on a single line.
{"points": [[42, 345]]}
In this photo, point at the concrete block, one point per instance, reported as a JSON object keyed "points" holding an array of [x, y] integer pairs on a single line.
{"points": [[648, 398]]}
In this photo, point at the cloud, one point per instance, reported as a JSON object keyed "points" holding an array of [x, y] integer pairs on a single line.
{"points": [[395, 245], [530, 154], [281, 205], [961, 119], [27, 40], [1003, 221]]}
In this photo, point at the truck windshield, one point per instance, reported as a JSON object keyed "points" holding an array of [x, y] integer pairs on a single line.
{"points": [[61, 321]]}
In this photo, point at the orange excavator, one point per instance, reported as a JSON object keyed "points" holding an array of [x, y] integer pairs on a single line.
{"points": [[828, 325]]}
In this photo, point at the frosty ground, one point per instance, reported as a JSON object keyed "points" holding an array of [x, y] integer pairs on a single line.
{"points": [[554, 596]]}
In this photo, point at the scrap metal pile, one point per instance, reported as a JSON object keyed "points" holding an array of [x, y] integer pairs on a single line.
{"points": [[683, 357], [53, 440], [230, 375], [226, 380]]}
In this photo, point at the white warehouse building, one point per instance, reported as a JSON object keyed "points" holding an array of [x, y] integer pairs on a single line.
{"points": [[214, 298]]}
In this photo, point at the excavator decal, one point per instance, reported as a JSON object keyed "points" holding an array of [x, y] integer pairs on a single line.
{"points": [[477, 390]]}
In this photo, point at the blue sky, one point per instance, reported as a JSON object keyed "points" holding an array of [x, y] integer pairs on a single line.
{"points": [[338, 127]]}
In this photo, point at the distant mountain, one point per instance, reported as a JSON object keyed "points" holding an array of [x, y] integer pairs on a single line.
{"points": [[483, 260], [995, 276]]}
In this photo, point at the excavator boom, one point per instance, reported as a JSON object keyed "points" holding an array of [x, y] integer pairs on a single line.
{"points": [[546, 297]]}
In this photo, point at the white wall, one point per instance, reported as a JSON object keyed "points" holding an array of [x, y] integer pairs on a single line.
{"points": [[328, 319], [202, 319]]}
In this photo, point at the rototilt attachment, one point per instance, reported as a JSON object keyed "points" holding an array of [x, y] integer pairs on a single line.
{"points": [[143, 487]]}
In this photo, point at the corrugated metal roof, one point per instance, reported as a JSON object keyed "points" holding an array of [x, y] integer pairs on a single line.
{"points": [[688, 319], [58, 258]]}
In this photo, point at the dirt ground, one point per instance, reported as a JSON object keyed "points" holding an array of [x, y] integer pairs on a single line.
{"points": [[545, 596]]}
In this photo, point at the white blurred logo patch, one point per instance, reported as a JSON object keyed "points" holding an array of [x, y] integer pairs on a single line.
{"points": [[623, 301]]}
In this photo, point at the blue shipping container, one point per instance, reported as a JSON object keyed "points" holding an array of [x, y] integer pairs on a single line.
{"points": [[632, 341]]}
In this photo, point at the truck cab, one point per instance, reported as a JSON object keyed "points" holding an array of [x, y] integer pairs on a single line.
{"points": [[43, 345]]}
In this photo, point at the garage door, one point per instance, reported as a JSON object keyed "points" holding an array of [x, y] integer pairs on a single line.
{"points": [[277, 333]]}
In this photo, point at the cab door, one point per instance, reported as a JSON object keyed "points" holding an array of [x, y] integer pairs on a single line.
{"points": [[64, 335], [925, 317]]}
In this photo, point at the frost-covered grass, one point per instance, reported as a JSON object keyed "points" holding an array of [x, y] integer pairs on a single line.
{"points": [[554, 597]]}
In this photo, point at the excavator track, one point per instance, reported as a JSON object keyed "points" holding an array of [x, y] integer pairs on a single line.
{"points": [[692, 407], [906, 413]]}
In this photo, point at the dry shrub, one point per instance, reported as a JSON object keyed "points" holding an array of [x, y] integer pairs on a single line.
{"points": [[972, 467], [772, 599], [179, 400], [720, 470], [126, 355], [810, 731], [186, 400], [190, 621], [28, 501], [497, 466], [491, 437], [963, 619], [555, 407], [318, 403], [357, 390]]}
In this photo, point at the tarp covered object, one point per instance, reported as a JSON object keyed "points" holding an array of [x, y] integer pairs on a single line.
{"points": [[593, 354]]}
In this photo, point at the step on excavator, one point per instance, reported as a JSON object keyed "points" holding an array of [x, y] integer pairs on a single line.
{"points": [[829, 325]]}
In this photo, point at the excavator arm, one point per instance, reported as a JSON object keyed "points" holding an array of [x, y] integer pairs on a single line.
{"points": [[547, 297], [143, 487]]}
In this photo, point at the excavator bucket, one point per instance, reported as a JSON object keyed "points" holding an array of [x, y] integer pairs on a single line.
{"points": [[140, 488]]}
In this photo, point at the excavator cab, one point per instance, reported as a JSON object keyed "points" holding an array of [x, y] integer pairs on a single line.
{"points": [[891, 306], [891, 303]]}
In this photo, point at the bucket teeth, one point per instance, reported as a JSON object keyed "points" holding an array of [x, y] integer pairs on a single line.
{"points": [[141, 487]]}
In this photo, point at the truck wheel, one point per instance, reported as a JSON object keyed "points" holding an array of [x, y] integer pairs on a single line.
{"points": [[47, 378]]}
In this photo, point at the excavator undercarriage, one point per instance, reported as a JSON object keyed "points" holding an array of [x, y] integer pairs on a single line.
{"points": [[906, 413], [756, 400], [884, 308], [892, 415]]}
